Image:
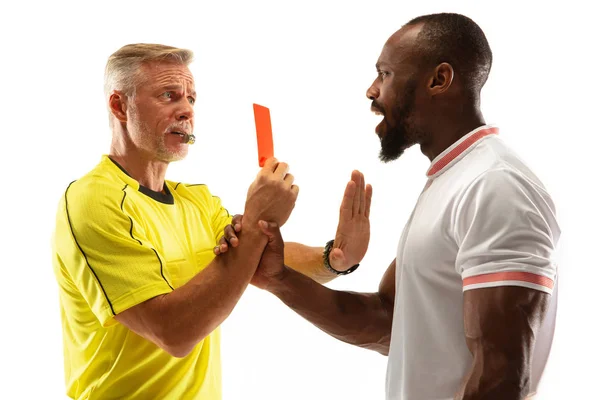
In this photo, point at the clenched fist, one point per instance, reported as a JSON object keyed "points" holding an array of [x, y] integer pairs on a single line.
{"points": [[272, 196]]}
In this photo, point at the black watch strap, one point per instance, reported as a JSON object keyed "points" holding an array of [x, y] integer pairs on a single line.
{"points": [[328, 248]]}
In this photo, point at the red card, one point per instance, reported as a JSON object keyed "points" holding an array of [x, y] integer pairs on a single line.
{"points": [[264, 133]]}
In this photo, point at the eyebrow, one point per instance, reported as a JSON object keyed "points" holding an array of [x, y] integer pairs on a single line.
{"points": [[178, 87], [381, 64]]}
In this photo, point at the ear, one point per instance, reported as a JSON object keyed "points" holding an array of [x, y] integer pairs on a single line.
{"points": [[442, 79], [118, 105]]}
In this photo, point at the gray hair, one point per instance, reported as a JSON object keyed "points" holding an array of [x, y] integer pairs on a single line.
{"points": [[123, 69]]}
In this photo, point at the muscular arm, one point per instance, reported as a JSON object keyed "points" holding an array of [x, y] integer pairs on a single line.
{"points": [[177, 321], [361, 319], [501, 324]]}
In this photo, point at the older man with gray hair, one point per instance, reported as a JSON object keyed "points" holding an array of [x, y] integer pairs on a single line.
{"points": [[142, 293]]}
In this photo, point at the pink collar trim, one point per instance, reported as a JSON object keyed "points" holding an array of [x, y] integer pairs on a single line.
{"points": [[458, 149]]}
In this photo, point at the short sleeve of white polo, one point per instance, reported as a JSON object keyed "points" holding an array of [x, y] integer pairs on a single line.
{"points": [[506, 231]]}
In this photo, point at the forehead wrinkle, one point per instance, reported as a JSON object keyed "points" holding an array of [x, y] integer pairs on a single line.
{"points": [[172, 75]]}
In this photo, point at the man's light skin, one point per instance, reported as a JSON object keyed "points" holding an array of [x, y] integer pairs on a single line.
{"points": [[142, 140], [147, 131], [501, 322]]}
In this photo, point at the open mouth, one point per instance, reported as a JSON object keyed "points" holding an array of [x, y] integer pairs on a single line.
{"points": [[187, 138], [380, 123]]}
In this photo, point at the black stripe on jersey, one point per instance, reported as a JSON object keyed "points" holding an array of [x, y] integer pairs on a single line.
{"points": [[189, 185], [131, 234], [228, 215], [130, 220], [161, 268], [82, 252]]}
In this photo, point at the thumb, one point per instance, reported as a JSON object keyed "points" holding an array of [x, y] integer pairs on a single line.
{"points": [[337, 257], [271, 229], [336, 254]]}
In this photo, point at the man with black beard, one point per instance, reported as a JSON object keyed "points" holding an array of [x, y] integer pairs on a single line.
{"points": [[467, 308]]}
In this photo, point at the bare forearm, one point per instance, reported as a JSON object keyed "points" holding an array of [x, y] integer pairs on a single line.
{"points": [[308, 261], [361, 319], [189, 313]]}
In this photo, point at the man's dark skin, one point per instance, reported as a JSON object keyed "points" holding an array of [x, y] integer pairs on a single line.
{"points": [[500, 323]]}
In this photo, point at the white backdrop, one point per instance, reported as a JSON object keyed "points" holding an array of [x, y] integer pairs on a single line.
{"points": [[311, 62]]}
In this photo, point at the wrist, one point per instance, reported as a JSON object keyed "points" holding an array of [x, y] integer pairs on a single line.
{"points": [[277, 283], [337, 270], [250, 224]]}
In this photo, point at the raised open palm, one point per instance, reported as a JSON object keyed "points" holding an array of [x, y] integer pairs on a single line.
{"points": [[354, 230]]}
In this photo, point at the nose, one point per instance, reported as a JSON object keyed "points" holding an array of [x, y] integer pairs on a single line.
{"points": [[185, 112], [373, 91]]}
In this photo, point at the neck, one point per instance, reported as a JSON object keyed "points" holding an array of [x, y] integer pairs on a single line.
{"points": [[448, 131], [148, 171]]}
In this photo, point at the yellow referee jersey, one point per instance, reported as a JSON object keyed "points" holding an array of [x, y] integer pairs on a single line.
{"points": [[115, 245]]}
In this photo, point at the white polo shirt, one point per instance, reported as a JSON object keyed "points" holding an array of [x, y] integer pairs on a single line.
{"points": [[483, 219]]}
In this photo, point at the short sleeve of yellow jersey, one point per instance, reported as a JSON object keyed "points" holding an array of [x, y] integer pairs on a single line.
{"points": [[221, 218], [105, 252]]}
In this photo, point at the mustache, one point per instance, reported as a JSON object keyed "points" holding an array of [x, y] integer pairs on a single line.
{"points": [[180, 127], [377, 107]]}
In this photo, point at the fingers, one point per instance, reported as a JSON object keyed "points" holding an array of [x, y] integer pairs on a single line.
{"points": [[295, 190], [230, 236], [347, 200], [357, 196], [356, 178], [271, 229], [281, 170], [361, 207], [368, 197], [221, 247], [289, 179], [270, 165], [236, 221]]}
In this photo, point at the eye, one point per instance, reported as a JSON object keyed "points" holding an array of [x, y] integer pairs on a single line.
{"points": [[168, 95], [192, 100], [383, 74]]}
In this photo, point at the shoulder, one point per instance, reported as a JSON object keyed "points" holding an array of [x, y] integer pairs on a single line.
{"points": [[96, 199], [102, 184], [497, 159], [508, 184], [90, 203], [181, 187], [507, 197], [94, 190], [197, 191]]}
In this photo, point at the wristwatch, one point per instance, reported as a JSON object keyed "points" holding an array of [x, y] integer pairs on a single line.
{"points": [[326, 252]]}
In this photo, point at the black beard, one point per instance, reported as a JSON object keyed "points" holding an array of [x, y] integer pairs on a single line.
{"points": [[402, 135], [394, 143]]}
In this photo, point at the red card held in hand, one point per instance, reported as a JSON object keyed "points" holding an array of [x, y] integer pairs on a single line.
{"points": [[264, 133]]}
